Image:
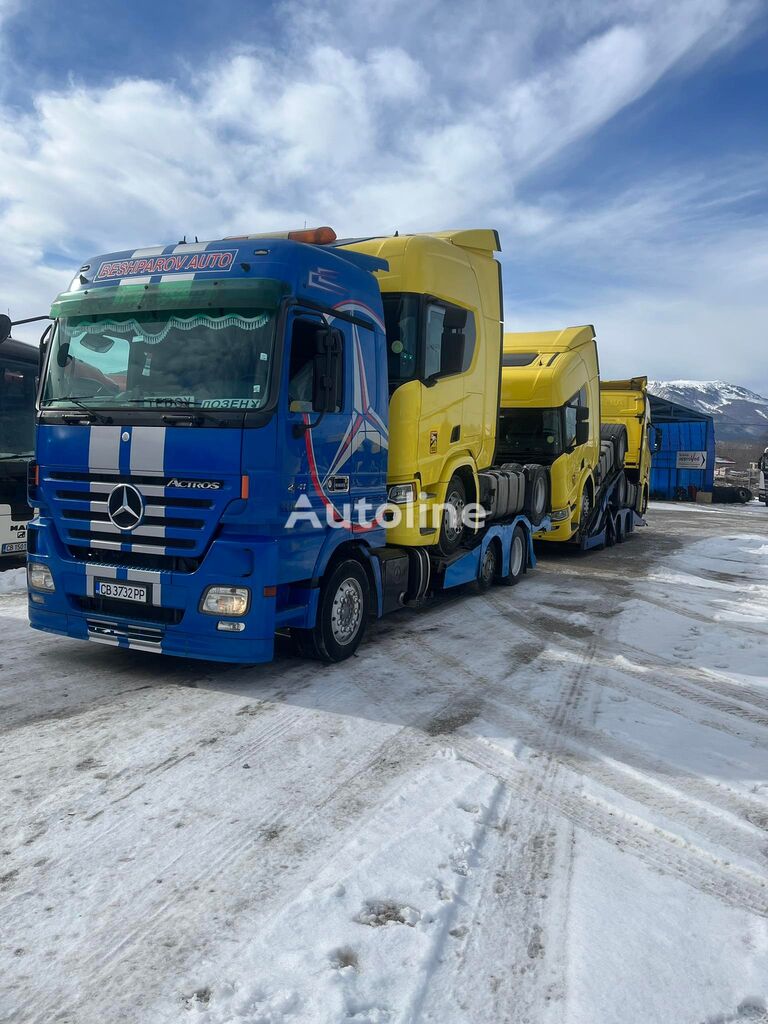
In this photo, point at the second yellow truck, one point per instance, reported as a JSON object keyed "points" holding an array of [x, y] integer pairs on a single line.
{"points": [[552, 413]]}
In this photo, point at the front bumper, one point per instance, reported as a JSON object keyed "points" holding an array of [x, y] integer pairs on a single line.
{"points": [[170, 623]]}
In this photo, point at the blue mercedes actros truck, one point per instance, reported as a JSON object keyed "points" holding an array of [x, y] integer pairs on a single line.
{"points": [[213, 458]]}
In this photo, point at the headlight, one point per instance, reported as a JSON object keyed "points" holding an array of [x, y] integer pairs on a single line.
{"points": [[225, 601], [559, 515], [39, 577], [402, 494]]}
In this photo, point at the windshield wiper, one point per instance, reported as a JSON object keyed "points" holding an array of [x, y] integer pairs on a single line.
{"points": [[161, 403], [98, 416]]}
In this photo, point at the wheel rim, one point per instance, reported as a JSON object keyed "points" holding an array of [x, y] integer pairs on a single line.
{"points": [[516, 559], [347, 611], [586, 506], [453, 524], [488, 570]]}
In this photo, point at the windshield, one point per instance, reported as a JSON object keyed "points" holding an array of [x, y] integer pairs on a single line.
{"points": [[169, 358], [17, 409], [529, 432]]}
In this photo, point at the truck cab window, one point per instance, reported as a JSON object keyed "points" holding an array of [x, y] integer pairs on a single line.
{"points": [[401, 316], [570, 416], [433, 341], [426, 339], [529, 435], [301, 370], [17, 398], [450, 340]]}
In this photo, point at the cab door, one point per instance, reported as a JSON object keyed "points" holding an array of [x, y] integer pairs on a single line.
{"points": [[335, 454], [445, 425]]}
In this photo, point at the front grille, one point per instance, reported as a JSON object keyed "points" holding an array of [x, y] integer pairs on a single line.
{"points": [[136, 560], [111, 632], [130, 610], [174, 529], [107, 540]]}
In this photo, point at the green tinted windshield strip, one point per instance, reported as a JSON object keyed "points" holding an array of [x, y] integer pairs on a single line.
{"points": [[264, 293]]}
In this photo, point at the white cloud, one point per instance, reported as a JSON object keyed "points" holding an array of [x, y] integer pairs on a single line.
{"points": [[415, 116]]}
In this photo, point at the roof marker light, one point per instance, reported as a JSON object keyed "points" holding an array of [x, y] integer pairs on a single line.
{"points": [[314, 236]]}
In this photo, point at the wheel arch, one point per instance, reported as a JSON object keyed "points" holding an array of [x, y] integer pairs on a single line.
{"points": [[360, 550]]}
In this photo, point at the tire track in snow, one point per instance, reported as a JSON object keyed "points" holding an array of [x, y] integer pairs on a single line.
{"points": [[661, 849], [517, 887], [692, 693], [290, 847], [737, 821]]}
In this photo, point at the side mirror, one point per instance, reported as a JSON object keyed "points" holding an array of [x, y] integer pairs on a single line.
{"points": [[328, 384], [582, 426], [45, 338], [5, 327], [583, 432]]}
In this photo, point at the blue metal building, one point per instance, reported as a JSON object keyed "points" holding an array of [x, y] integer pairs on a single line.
{"points": [[687, 456]]}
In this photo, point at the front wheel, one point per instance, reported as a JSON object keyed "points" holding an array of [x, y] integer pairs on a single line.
{"points": [[452, 525], [342, 614], [586, 506]]}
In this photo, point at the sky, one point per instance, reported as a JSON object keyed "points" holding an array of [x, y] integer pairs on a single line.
{"points": [[620, 147]]}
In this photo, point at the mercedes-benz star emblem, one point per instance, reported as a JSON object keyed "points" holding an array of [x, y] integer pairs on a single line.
{"points": [[125, 507]]}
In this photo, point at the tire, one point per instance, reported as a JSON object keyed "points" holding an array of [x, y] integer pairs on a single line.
{"points": [[342, 614], [452, 534], [518, 557], [490, 564], [622, 489], [585, 505], [610, 533], [616, 433], [536, 503]]}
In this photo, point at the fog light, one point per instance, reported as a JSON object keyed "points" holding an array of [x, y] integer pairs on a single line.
{"points": [[402, 494], [225, 601], [37, 598], [560, 515], [230, 627], [39, 577]]}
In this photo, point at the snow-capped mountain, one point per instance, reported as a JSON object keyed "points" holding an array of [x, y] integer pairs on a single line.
{"points": [[739, 414]]}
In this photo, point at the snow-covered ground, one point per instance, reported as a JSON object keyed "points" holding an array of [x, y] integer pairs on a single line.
{"points": [[543, 805], [13, 581]]}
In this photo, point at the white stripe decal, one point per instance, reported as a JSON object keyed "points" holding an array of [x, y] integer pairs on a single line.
{"points": [[108, 572], [154, 250], [111, 640], [176, 277], [148, 490], [148, 450], [104, 449], [192, 247], [98, 526], [145, 279]]}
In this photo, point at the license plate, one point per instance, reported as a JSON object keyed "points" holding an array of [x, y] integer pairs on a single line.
{"points": [[16, 546], [121, 591]]}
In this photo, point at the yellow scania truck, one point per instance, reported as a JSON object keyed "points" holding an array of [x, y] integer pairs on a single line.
{"points": [[443, 311], [551, 414]]}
